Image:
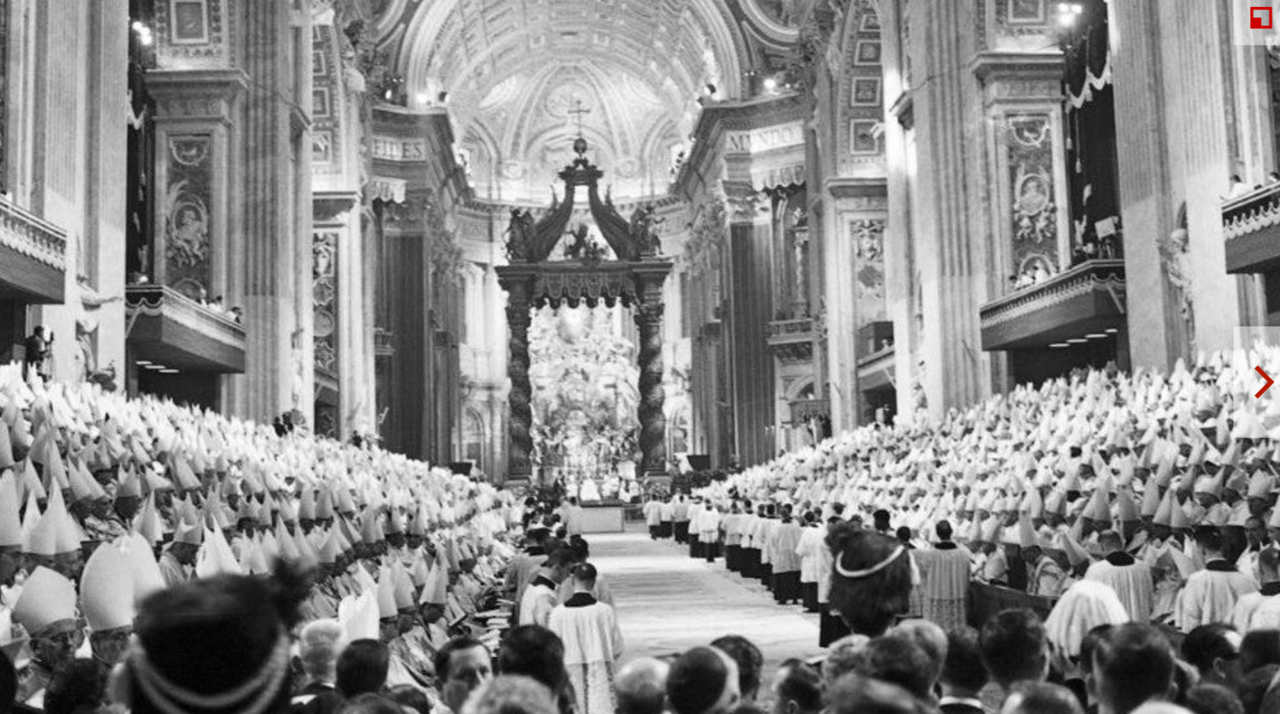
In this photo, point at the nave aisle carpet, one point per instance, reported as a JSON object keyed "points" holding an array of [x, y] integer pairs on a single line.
{"points": [[668, 602]]}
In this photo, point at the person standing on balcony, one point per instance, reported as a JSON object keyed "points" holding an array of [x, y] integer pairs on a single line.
{"points": [[37, 354]]}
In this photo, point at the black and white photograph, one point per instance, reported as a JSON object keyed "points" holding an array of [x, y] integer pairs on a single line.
{"points": [[866, 91], [639, 357]]}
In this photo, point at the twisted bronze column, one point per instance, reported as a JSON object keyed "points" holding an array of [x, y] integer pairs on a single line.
{"points": [[521, 397], [653, 422]]}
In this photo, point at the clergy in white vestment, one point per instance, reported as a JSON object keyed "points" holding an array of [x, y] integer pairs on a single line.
{"points": [[573, 514], [667, 517], [695, 520], [592, 643], [540, 597], [590, 491], [1210, 595], [944, 576], [732, 525], [1261, 610], [653, 517], [785, 563], [1132, 579], [709, 532], [810, 551]]}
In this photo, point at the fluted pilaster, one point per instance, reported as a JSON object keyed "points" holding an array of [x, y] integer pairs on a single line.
{"points": [[279, 357], [950, 211]]}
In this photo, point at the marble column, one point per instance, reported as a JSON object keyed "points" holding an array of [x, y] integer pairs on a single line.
{"points": [[653, 421], [750, 309], [279, 358], [521, 397], [947, 210]]}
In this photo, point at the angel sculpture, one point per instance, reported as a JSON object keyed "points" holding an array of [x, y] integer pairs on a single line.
{"points": [[577, 249], [643, 230], [521, 230], [1176, 260]]}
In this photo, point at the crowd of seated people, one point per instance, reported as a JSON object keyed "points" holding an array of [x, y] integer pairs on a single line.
{"points": [[1099, 500], [110, 505], [164, 559]]}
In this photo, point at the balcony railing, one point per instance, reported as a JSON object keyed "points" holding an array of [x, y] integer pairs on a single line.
{"points": [[801, 328], [875, 337], [1251, 226], [33, 254], [168, 327], [1086, 299], [792, 340], [804, 409]]}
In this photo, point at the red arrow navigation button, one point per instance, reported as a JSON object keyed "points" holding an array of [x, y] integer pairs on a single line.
{"points": [[1266, 386]]}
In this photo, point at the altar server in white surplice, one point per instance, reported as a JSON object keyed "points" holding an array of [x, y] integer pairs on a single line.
{"points": [[1129, 577], [1210, 595], [944, 575], [810, 551], [592, 643], [1261, 610]]}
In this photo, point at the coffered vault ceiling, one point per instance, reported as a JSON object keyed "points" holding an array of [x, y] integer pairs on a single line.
{"points": [[516, 71]]}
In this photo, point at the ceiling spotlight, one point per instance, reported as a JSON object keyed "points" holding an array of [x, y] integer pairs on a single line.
{"points": [[443, 97], [423, 97], [709, 90], [770, 84]]}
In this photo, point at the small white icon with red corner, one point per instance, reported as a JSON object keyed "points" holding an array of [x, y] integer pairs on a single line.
{"points": [[1259, 17]]}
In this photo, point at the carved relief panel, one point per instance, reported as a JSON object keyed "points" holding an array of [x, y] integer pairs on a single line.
{"points": [[186, 217], [192, 34], [1030, 190], [868, 270], [324, 298], [1015, 24]]}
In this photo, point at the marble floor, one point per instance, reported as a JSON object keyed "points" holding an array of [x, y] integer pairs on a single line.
{"points": [[668, 602]]}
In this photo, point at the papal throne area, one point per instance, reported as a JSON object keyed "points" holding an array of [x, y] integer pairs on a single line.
{"points": [[639, 356]]}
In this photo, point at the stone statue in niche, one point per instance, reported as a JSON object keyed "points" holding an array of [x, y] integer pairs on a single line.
{"points": [[1176, 260], [299, 366], [87, 330], [520, 230]]}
